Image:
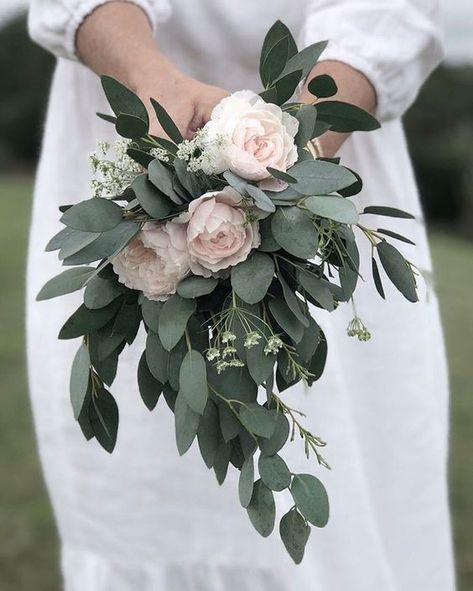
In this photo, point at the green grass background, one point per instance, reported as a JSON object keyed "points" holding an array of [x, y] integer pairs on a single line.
{"points": [[28, 542]]}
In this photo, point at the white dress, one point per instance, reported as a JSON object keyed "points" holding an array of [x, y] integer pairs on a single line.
{"points": [[144, 519]]}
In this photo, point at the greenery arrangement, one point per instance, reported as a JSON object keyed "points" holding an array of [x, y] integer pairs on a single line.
{"points": [[224, 247]]}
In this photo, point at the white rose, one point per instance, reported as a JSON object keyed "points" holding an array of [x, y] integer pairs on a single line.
{"points": [[246, 135], [155, 261]]}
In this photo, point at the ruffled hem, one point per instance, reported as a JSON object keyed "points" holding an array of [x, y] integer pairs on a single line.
{"points": [[88, 571]]}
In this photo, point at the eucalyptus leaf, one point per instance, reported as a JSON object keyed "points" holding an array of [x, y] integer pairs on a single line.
{"points": [[262, 201], [377, 278], [317, 288], [398, 270], [258, 419], [276, 442], [395, 235], [84, 320], [173, 320], [79, 379], [392, 212], [161, 178], [66, 282], [295, 232], [195, 286], [311, 499], [151, 311], [156, 357], [345, 117], [221, 461], [153, 201], [166, 122], [75, 241], [307, 117], [246, 482], [251, 278], [286, 319], [274, 472], [208, 434], [317, 177], [193, 381], [186, 424], [278, 47], [333, 208], [100, 292], [322, 86], [294, 533], [103, 416], [229, 424], [93, 215], [305, 60], [130, 126], [262, 509], [150, 388], [123, 100]]}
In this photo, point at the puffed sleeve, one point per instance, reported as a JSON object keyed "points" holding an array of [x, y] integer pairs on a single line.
{"points": [[53, 23], [395, 43]]}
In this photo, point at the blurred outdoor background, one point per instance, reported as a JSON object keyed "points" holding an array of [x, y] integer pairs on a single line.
{"points": [[440, 131]]}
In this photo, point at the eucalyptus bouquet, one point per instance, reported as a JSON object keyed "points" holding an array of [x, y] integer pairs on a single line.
{"points": [[224, 246]]}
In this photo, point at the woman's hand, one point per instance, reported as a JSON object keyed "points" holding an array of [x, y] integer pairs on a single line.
{"points": [[116, 39]]}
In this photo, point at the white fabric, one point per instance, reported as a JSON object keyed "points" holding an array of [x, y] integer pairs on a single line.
{"points": [[144, 519]]}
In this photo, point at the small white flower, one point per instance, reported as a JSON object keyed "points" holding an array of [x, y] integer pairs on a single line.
{"points": [[252, 339], [228, 337], [212, 354], [273, 345]]}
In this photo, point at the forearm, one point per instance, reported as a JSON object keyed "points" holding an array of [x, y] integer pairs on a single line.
{"points": [[116, 39], [353, 87]]}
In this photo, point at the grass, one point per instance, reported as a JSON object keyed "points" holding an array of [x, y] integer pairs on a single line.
{"points": [[28, 548]]}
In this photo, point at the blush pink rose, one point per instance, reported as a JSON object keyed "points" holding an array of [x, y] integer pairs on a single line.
{"points": [[218, 235], [245, 134], [155, 261]]}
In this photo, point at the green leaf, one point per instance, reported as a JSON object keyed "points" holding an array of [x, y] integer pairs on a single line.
{"points": [[106, 245], [268, 243], [103, 416], [305, 60], [193, 381], [307, 117], [175, 359], [84, 321], [317, 288], [311, 499], [322, 86], [262, 201], [395, 235], [294, 533], [93, 215], [130, 126], [318, 361], [168, 125], [208, 434], [262, 509], [278, 47], [194, 286], [151, 311], [286, 319], [285, 87], [333, 208], [293, 302], [161, 177], [258, 419], [100, 292], [377, 278], [282, 176], [59, 239], [173, 320], [186, 424], [66, 282], [246, 482], [235, 383], [107, 118], [259, 364], [123, 100], [251, 278], [294, 231], [221, 461], [274, 472], [276, 442], [140, 156], [157, 357], [346, 118], [75, 241], [230, 426], [317, 177], [310, 341], [392, 212], [155, 203], [79, 380], [398, 270], [149, 387]]}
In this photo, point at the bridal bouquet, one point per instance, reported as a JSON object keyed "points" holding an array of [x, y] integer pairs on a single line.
{"points": [[224, 247]]}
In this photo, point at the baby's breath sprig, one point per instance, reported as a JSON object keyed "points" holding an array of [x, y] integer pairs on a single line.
{"points": [[113, 168]]}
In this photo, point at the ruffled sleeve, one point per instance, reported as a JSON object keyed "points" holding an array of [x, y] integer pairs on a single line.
{"points": [[395, 43], [53, 23]]}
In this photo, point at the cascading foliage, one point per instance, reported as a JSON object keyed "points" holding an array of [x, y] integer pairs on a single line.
{"points": [[223, 248]]}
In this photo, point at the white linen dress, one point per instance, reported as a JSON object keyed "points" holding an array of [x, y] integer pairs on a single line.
{"points": [[144, 519]]}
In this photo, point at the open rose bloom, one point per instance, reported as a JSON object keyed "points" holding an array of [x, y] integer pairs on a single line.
{"points": [[246, 135]]}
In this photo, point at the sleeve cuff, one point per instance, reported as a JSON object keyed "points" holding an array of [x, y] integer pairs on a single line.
{"points": [[155, 11]]}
